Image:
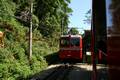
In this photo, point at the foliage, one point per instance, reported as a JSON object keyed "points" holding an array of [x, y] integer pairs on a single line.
{"points": [[14, 63], [88, 17], [50, 14], [14, 22], [73, 31]]}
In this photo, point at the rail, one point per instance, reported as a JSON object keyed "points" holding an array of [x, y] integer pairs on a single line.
{"points": [[60, 73], [103, 52]]}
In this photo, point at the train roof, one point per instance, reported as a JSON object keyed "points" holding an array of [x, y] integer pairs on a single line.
{"points": [[71, 36]]}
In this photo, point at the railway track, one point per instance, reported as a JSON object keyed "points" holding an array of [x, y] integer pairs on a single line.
{"points": [[60, 73], [71, 72]]}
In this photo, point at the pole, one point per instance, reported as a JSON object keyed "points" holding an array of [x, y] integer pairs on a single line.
{"points": [[94, 75], [61, 27], [30, 30]]}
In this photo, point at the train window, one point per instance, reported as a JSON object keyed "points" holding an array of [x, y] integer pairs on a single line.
{"points": [[64, 42], [75, 42], [113, 17]]}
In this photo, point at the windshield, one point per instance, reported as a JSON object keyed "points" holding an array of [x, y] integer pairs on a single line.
{"points": [[75, 41], [64, 42]]}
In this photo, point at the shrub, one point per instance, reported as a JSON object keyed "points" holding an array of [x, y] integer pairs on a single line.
{"points": [[4, 71], [38, 65]]}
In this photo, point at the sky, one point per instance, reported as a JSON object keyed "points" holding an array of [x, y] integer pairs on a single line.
{"points": [[109, 14], [79, 7]]}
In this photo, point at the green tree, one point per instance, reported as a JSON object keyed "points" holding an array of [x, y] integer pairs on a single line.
{"points": [[14, 20], [88, 16], [7, 9], [50, 14], [73, 31]]}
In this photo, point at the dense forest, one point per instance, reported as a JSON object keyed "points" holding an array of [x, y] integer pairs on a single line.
{"points": [[50, 19]]}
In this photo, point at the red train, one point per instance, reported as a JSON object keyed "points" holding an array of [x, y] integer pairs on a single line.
{"points": [[71, 47]]}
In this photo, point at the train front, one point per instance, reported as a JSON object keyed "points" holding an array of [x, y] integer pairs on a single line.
{"points": [[71, 47]]}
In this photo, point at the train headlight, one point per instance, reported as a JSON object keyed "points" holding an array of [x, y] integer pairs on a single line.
{"points": [[88, 53]]}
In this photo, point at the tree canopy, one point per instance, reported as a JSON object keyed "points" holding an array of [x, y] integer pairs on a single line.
{"points": [[48, 17], [73, 31], [88, 17]]}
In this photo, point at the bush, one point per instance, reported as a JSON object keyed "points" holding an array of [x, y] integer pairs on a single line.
{"points": [[14, 63], [4, 71], [38, 65], [5, 56], [20, 70]]}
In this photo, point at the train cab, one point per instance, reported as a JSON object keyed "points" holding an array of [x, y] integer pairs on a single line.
{"points": [[71, 47]]}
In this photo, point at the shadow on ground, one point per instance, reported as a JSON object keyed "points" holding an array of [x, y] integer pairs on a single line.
{"points": [[52, 58], [77, 73]]}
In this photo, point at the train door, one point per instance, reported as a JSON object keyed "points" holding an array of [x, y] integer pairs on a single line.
{"points": [[106, 28], [113, 38], [76, 47], [64, 45]]}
